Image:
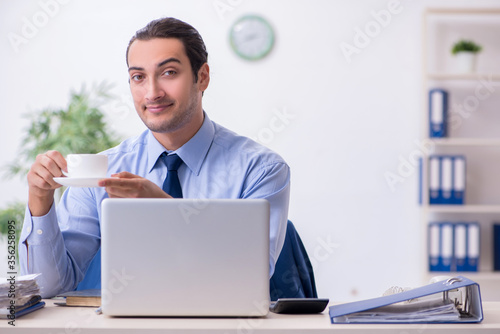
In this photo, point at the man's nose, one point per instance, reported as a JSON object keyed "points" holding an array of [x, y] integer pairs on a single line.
{"points": [[154, 91]]}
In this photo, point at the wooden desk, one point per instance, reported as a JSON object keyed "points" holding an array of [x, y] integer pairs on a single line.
{"points": [[74, 320]]}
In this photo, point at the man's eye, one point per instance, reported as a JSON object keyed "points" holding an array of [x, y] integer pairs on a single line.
{"points": [[169, 73], [137, 77]]}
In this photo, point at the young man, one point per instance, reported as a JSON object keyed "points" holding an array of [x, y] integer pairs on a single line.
{"points": [[168, 73]]}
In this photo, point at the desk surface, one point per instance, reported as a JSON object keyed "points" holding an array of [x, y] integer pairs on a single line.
{"points": [[57, 319]]}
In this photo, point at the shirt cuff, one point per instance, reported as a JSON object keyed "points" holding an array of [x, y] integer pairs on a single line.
{"points": [[39, 230]]}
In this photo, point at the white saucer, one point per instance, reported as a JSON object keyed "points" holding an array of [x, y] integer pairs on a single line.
{"points": [[79, 182]]}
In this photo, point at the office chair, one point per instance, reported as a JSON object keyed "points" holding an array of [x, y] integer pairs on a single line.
{"points": [[293, 274]]}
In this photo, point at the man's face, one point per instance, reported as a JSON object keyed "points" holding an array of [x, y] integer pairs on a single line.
{"points": [[162, 84]]}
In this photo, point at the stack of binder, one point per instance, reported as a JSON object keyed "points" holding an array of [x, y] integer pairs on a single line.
{"points": [[438, 112], [446, 179], [19, 295], [454, 246]]}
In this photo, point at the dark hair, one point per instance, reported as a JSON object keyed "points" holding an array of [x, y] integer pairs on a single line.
{"points": [[170, 27]]}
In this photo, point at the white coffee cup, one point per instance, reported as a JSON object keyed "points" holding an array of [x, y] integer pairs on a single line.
{"points": [[87, 165]]}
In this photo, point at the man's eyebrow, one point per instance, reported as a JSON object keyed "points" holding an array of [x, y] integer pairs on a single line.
{"points": [[134, 68], [166, 61], [169, 60]]}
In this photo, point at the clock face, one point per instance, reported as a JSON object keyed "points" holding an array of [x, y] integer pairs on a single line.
{"points": [[251, 37]]}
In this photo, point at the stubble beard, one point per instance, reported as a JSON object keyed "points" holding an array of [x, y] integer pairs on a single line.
{"points": [[179, 120]]}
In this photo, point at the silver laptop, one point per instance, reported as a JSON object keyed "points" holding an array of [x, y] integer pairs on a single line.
{"points": [[185, 257]]}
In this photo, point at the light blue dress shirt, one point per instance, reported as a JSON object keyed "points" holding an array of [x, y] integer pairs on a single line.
{"points": [[217, 164]]}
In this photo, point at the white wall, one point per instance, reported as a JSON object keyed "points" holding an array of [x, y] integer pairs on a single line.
{"points": [[350, 122]]}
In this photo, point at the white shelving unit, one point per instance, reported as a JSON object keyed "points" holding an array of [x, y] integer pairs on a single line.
{"points": [[464, 208], [473, 128]]}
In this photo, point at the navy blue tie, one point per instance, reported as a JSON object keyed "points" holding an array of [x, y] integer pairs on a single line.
{"points": [[172, 186]]}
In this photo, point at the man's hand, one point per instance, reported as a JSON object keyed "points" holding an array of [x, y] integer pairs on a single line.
{"points": [[41, 181], [128, 185]]}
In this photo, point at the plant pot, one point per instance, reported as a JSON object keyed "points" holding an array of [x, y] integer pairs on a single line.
{"points": [[466, 61]]}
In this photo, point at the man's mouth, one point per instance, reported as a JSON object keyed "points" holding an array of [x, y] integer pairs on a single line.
{"points": [[157, 108]]}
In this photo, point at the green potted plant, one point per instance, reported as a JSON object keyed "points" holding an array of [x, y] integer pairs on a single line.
{"points": [[465, 52], [77, 128]]}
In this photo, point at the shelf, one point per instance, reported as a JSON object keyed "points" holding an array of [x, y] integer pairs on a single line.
{"points": [[473, 133], [466, 141], [478, 208], [473, 275], [462, 11], [465, 76]]}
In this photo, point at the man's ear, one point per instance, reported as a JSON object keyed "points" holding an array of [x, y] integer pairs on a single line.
{"points": [[204, 77]]}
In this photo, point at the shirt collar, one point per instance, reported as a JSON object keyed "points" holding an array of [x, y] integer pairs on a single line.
{"points": [[154, 149], [192, 153]]}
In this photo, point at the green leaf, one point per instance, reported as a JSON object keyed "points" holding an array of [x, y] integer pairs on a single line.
{"points": [[12, 215], [465, 45], [79, 128]]}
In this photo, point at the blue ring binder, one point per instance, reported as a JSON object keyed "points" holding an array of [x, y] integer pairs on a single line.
{"points": [[468, 302]]}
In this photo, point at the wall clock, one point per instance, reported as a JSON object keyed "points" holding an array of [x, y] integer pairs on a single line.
{"points": [[251, 37]]}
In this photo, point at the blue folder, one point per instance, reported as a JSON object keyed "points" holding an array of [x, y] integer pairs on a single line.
{"points": [[434, 246], [496, 247], [471, 305], [473, 247], [438, 113], [460, 246], [446, 247], [19, 313], [435, 192], [459, 180]]}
